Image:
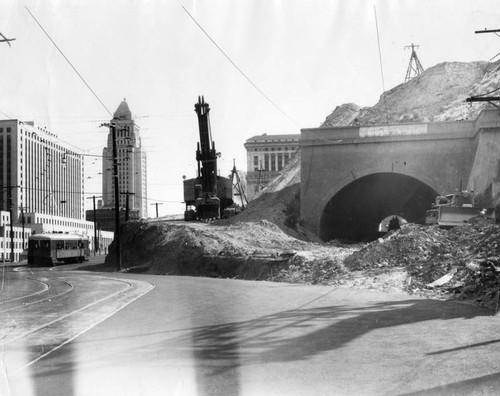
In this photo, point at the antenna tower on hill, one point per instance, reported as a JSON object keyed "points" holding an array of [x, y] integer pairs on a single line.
{"points": [[415, 67]]}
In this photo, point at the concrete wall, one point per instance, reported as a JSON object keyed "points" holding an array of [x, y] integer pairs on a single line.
{"points": [[486, 167], [441, 155]]}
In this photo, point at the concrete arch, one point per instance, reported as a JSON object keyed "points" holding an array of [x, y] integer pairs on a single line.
{"points": [[355, 209]]}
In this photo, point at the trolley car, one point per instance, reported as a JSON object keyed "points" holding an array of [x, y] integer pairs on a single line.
{"points": [[51, 249]]}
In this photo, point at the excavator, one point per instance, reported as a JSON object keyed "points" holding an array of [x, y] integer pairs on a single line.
{"points": [[207, 195]]}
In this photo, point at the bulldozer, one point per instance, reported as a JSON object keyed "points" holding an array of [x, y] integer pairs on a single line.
{"points": [[454, 209]]}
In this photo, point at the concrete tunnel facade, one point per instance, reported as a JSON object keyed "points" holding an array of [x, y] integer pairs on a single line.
{"points": [[354, 177], [356, 211]]}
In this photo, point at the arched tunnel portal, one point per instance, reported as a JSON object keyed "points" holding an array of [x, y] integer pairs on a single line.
{"points": [[356, 211]]}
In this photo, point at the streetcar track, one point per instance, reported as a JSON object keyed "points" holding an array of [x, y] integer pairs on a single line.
{"points": [[71, 287], [28, 295], [121, 303], [130, 285], [70, 339]]}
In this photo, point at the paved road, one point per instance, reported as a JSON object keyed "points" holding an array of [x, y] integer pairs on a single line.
{"points": [[197, 336]]}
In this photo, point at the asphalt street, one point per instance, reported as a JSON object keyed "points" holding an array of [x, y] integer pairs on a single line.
{"points": [[130, 334]]}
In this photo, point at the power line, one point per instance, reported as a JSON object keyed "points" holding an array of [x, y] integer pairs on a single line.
{"points": [[69, 62], [237, 68], [381, 67]]}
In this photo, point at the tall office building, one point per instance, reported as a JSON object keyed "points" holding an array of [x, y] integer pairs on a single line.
{"points": [[39, 173], [131, 164]]}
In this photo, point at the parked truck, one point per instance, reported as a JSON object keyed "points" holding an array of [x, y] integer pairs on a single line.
{"points": [[207, 195]]}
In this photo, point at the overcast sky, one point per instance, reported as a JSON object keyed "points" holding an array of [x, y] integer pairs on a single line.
{"points": [[305, 58]]}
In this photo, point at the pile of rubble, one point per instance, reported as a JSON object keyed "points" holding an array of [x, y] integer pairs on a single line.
{"points": [[245, 250], [463, 262]]}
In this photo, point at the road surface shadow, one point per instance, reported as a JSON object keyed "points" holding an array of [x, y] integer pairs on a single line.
{"points": [[485, 385], [300, 334]]}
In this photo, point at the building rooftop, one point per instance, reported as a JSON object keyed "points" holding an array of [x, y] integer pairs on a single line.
{"points": [[274, 138], [123, 112]]}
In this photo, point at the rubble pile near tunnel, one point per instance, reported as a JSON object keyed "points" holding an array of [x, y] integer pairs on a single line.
{"points": [[462, 262]]}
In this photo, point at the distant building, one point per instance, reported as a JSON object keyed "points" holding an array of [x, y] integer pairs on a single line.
{"points": [[39, 172], [105, 217], [17, 241], [267, 155], [41, 180], [131, 164]]}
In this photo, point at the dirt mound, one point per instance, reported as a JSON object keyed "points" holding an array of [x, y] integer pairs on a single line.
{"points": [[280, 208], [463, 261], [437, 94], [343, 115], [246, 250]]}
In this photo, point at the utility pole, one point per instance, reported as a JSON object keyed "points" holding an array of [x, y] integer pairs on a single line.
{"points": [[11, 214], [415, 67], [484, 97], [23, 222], [112, 126], [156, 204], [495, 31], [127, 205], [96, 243], [4, 39], [259, 182]]}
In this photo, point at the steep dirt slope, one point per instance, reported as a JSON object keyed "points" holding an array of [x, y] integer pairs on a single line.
{"points": [[438, 94]]}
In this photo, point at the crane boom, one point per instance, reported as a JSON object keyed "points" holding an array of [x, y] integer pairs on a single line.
{"points": [[208, 193], [206, 154]]}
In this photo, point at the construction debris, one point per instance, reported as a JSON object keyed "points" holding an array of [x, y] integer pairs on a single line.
{"points": [[463, 262]]}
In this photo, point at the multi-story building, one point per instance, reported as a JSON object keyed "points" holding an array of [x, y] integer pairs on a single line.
{"points": [[267, 155], [12, 242], [41, 180], [132, 182], [38, 172]]}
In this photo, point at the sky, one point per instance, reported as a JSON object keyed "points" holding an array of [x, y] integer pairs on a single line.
{"points": [[264, 66]]}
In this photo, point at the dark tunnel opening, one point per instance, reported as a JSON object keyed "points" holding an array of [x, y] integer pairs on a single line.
{"points": [[356, 211]]}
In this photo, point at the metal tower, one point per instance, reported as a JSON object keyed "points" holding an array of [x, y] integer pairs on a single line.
{"points": [[415, 67]]}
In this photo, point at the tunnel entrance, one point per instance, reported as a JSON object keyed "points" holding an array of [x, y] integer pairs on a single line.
{"points": [[356, 212]]}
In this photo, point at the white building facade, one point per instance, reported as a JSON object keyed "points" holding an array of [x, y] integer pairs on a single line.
{"points": [[41, 180], [267, 155]]}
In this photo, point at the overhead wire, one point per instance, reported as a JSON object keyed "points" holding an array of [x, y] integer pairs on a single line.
{"points": [[381, 66], [239, 70], [69, 62]]}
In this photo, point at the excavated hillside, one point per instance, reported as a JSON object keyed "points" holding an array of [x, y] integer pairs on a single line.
{"points": [[438, 94], [266, 242]]}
